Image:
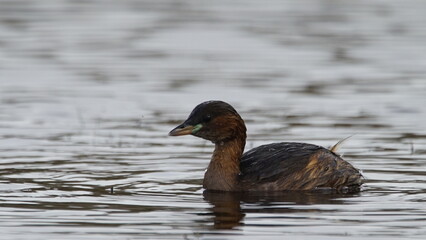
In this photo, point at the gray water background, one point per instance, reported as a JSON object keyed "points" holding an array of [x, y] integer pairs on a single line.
{"points": [[90, 89]]}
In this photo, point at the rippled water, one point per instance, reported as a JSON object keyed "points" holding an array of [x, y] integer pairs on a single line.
{"points": [[90, 89]]}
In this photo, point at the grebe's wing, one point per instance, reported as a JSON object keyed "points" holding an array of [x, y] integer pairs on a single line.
{"points": [[271, 160]]}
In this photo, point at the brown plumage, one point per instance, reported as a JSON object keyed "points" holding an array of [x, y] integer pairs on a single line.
{"points": [[271, 167]]}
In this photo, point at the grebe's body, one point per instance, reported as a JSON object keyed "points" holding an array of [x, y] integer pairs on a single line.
{"points": [[271, 167]]}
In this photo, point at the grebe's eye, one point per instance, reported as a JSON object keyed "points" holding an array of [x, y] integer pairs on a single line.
{"points": [[207, 118]]}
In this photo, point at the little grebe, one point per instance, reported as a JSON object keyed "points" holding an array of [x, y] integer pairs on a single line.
{"points": [[271, 167]]}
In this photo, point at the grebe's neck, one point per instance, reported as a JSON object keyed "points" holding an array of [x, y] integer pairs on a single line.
{"points": [[222, 172]]}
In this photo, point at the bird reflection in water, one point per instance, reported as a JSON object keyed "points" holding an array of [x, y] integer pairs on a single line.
{"points": [[228, 209]]}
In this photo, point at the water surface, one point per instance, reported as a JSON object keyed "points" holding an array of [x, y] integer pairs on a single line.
{"points": [[89, 91]]}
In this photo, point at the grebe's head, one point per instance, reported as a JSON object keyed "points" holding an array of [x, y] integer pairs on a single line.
{"points": [[216, 121]]}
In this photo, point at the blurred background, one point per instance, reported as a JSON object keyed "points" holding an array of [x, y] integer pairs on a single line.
{"points": [[90, 89]]}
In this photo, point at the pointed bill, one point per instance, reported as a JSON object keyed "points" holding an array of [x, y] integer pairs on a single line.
{"points": [[181, 130]]}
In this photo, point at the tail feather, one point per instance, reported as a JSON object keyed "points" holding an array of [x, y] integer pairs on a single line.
{"points": [[337, 146]]}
